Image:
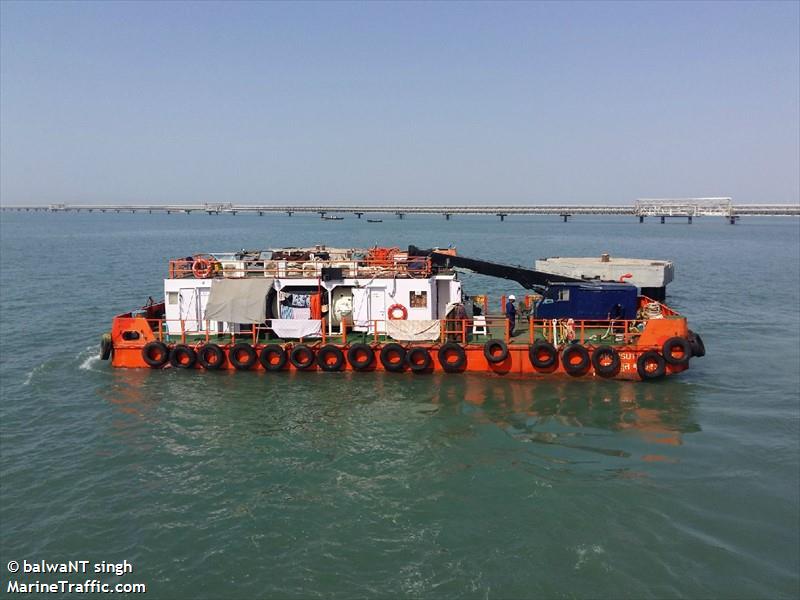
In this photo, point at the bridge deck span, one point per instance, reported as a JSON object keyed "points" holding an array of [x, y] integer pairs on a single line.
{"points": [[563, 210]]}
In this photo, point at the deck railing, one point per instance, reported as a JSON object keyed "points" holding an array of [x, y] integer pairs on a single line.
{"points": [[418, 267], [463, 331]]}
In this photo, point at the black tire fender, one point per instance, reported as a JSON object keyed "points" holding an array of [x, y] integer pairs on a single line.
{"points": [[602, 368], [492, 345], [651, 359], [155, 354], [182, 357], [419, 359], [242, 363], [673, 344], [452, 366], [269, 351], [576, 369], [106, 346], [325, 353], [550, 360], [302, 357], [356, 350], [696, 342], [211, 357], [388, 352]]}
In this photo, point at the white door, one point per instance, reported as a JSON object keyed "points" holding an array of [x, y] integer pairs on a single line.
{"points": [[377, 309], [360, 309], [203, 294], [188, 309]]}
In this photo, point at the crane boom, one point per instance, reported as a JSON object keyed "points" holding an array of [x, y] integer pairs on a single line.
{"points": [[527, 278]]}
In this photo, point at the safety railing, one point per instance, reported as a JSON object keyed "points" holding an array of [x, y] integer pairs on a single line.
{"points": [[464, 331], [417, 267]]}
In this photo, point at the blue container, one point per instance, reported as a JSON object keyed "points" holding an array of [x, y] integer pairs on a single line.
{"points": [[589, 301]]}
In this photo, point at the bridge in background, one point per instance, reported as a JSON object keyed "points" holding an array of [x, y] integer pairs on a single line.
{"points": [[663, 208]]}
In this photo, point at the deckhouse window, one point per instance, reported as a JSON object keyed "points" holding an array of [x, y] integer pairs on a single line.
{"points": [[172, 297], [418, 300], [563, 295]]}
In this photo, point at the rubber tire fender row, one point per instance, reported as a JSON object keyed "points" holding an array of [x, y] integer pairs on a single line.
{"points": [[155, 354], [266, 354], [418, 359], [250, 357], [677, 343], [488, 351], [576, 369], [658, 372], [390, 350], [326, 352], [211, 357], [461, 357], [697, 345], [302, 357], [541, 364], [603, 369], [353, 353], [181, 352]]}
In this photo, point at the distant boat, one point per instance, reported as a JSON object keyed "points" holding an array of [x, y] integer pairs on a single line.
{"points": [[374, 220], [327, 218]]}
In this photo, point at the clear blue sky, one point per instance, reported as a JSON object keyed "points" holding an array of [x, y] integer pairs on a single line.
{"points": [[398, 103]]}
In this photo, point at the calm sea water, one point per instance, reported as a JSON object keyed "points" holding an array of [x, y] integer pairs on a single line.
{"points": [[377, 485]]}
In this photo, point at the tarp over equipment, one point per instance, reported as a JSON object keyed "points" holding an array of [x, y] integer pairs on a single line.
{"points": [[238, 300]]}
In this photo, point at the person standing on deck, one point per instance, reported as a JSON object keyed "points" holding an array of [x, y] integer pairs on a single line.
{"points": [[511, 314]]}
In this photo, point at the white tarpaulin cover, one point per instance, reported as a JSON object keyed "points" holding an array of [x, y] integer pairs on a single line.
{"points": [[238, 300], [413, 331], [289, 329]]}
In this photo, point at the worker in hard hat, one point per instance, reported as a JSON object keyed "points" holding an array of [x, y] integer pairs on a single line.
{"points": [[511, 314]]}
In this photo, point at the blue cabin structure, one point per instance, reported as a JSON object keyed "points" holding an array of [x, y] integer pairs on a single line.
{"points": [[588, 301]]}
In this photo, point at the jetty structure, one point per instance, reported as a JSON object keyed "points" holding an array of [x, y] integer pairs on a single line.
{"points": [[643, 208]]}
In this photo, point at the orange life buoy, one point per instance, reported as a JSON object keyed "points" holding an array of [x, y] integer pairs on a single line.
{"points": [[202, 268], [397, 308]]}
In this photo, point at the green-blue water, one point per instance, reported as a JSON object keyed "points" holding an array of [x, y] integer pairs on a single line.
{"points": [[378, 485]]}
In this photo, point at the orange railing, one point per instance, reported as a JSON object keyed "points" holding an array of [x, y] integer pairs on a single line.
{"points": [[557, 331], [411, 266]]}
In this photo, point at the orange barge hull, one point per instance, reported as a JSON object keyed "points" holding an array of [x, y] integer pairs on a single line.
{"points": [[132, 337]]}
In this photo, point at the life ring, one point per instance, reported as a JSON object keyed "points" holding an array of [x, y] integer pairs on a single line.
{"points": [[543, 355], [182, 357], [576, 360], [155, 354], [677, 351], [651, 365], [242, 356], [269, 352], [495, 351], [446, 353], [394, 309], [393, 357], [302, 357], [360, 356], [211, 357], [202, 268], [606, 361], [418, 359], [324, 356]]}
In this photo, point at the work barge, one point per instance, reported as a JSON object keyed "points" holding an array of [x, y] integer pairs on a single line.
{"points": [[388, 309]]}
